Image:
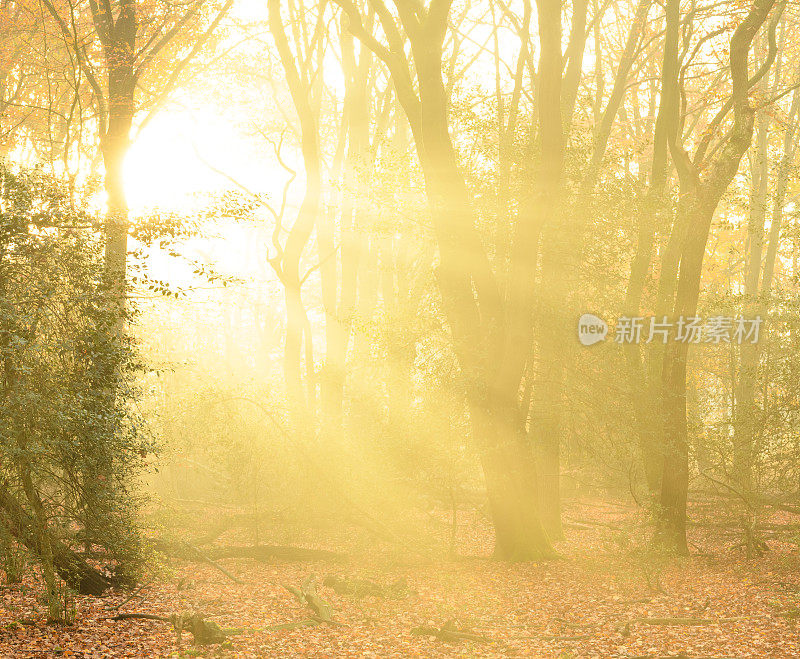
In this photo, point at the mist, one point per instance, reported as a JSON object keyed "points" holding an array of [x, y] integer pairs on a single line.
{"points": [[399, 329]]}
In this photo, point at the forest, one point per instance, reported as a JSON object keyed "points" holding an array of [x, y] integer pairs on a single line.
{"points": [[400, 328]]}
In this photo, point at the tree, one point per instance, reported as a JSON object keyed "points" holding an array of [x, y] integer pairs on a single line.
{"points": [[287, 262], [702, 184], [470, 294], [760, 271], [128, 37], [58, 419]]}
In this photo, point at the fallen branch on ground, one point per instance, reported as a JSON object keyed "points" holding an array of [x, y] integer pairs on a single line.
{"points": [[213, 564], [204, 632], [289, 626], [134, 593], [589, 523], [577, 625], [677, 656], [139, 616], [189, 551], [307, 595], [551, 637], [223, 525]]}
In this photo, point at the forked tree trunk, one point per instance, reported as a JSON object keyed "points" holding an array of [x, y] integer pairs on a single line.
{"points": [[475, 322], [301, 399], [470, 296], [700, 197]]}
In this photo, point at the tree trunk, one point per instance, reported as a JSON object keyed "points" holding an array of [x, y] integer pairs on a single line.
{"points": [[301, 400], [339, 327], [475, 325], [547, 215], [700, 197], [746, 420], [644, 390], [70, 567], [120, 56], [470, 295], [511, 476]]}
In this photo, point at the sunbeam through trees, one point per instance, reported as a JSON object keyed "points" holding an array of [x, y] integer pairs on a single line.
{"points": [[399, 328]]}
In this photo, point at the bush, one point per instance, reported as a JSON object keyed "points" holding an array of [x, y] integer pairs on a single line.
{"points": [[69, 443]]}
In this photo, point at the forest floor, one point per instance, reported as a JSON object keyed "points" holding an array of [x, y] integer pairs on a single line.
{"points": [[607, 597]]}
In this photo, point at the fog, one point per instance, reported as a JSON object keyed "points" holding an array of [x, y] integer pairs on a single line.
{"points": [[399, 329]]}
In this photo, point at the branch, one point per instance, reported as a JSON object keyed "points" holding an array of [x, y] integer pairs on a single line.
{"points": [[171, 33], [172, 80], [740, 48], [82, 62], [393, 56]]}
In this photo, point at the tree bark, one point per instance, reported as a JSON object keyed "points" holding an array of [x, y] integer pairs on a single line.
{"points": [[119, 42], [700, 197], [352, 219], [476, 326]]}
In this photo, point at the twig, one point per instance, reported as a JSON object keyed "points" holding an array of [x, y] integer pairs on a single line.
{"points": [[206, 559], [135, 592]]}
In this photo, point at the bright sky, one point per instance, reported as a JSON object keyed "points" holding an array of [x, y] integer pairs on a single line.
{"points": [[168, 161]]}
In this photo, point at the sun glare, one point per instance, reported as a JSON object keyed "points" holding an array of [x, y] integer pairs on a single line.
{"points": [[180, 155]]}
